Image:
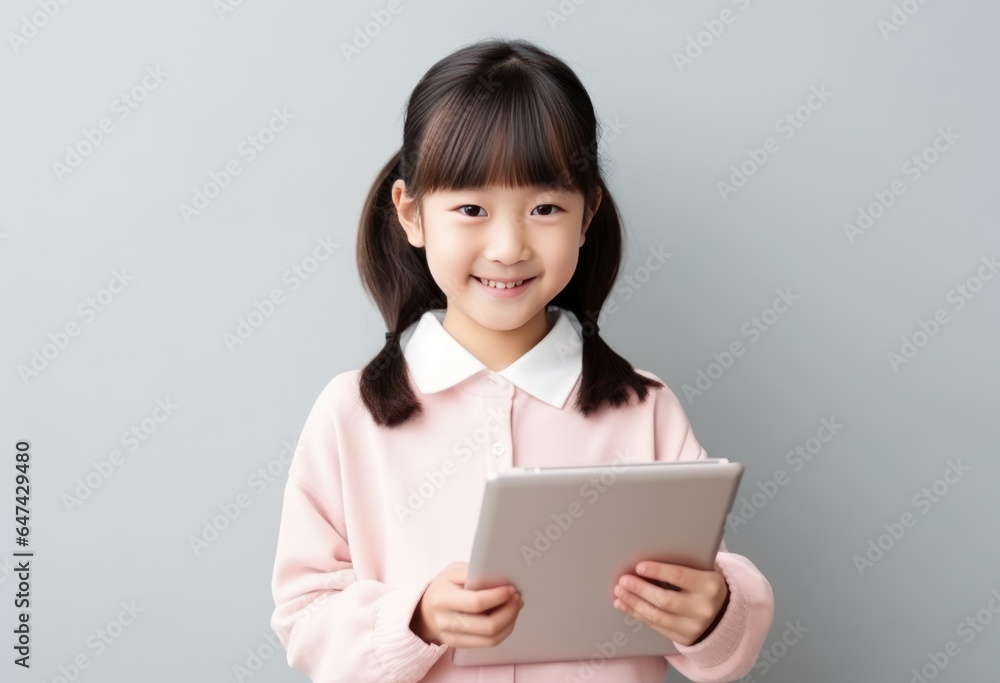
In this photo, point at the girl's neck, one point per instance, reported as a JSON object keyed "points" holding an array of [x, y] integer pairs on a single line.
{"points": [[496, 349]]}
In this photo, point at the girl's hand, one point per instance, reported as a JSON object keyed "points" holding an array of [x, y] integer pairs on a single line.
{"points": [[682, 613], [448, 614]]}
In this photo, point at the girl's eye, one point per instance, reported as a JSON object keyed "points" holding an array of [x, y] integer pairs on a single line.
{"points": [[467, 206], [552, 209], [553, 206]]}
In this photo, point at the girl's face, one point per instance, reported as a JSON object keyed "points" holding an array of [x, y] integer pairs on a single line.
{"points": [[530, 235]]}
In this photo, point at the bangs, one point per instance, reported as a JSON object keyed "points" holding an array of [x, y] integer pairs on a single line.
{"points": [[505, 130]]}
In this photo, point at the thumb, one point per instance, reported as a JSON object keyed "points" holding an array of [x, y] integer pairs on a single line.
{"points": [[457, 572]]}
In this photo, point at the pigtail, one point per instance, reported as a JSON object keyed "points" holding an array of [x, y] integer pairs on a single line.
{"points": [[385, 389], [396, 276], [608, 379]]}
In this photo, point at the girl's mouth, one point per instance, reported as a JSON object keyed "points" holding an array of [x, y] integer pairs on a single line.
{"points": [[505, 291]]}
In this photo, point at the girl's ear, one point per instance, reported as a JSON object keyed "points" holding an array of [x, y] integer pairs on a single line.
{"points": [[408, 213], [591, 212]]}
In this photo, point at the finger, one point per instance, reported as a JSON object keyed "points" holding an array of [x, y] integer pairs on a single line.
{"points": [[673, 601], [457, 572], [673, 626], [483, 630], [476, 602], [508, 617], [678, 575], [505, 611]]}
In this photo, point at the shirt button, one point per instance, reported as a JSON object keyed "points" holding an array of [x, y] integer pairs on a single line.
{"points": [[499, 448]]}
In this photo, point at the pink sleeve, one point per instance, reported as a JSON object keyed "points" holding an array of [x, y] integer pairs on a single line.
{"points": [[334, 626], [728, 653]]}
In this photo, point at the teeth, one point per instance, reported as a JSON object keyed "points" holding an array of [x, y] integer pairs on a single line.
{"points": [[500, 285]]}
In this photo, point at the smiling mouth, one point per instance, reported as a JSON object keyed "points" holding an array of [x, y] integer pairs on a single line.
{"points": [[497, 284]]}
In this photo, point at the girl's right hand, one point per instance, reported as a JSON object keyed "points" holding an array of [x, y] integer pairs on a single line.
{"points": [[448, 614]]}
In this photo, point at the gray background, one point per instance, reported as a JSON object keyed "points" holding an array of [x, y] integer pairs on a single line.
{"points": [[680, 130]]}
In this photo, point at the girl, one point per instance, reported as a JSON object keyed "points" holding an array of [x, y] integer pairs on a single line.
{"points": [[490, 243]]}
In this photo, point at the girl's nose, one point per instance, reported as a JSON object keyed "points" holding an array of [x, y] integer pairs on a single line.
{"points": [[506, 242]]}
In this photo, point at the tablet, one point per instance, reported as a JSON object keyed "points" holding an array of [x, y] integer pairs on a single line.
{"points": [[565, 535]]}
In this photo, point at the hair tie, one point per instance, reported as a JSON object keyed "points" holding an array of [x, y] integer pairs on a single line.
{"points": [[391, 335]]}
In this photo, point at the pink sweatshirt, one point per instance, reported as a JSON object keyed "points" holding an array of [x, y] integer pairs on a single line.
{"points": [[371, 515]]}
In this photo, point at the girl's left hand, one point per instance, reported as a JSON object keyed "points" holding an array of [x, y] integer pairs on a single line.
{"points": [[681, 615]]}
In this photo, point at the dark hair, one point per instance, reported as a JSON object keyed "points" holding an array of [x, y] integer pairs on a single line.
{"points": [[495, 112]]}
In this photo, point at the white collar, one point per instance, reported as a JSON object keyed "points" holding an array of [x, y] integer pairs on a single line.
{"points": [[547, 371]]}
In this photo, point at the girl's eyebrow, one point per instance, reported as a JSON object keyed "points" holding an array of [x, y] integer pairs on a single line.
{"points": [[533, 190]]}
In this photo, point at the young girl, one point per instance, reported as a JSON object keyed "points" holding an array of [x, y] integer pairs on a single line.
{"points": [[490, 243]]}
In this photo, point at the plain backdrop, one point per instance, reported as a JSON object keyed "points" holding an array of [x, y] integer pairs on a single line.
{"points": [[841, 156]]}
